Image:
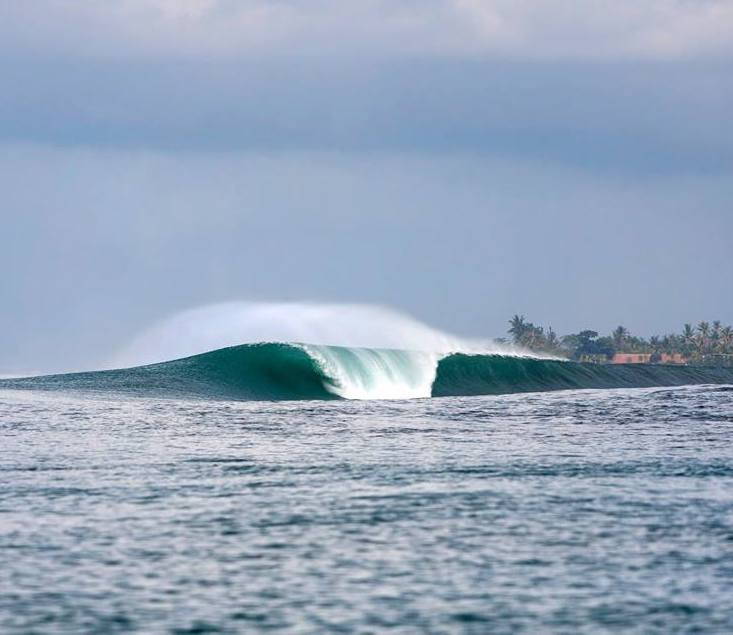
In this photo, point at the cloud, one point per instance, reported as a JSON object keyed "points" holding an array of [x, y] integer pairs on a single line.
{"points": [[642, 86], [98, 244], [497, 29], [637, 118], [461, 159], [601, 29]]}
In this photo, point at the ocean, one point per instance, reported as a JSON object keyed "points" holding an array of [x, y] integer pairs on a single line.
{"points": [[170, 501]]}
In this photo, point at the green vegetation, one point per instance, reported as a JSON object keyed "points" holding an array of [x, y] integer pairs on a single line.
{"points": [[709, 344]]}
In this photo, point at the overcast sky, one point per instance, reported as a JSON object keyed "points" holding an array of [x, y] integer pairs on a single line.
{"points": [[461, 160]]}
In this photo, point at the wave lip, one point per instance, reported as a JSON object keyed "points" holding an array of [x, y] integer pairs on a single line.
{"points": [[292, 371], [373, 373]]}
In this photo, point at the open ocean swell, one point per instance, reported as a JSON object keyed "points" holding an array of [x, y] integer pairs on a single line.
{"points": [[575, 511]]}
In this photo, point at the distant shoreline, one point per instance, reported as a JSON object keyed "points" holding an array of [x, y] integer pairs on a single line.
{"points": [[706, 344]]}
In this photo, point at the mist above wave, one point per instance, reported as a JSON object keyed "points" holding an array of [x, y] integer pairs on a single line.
{"points": [[215, 326]]}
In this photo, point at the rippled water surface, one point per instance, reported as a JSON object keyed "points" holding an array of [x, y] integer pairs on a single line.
{"points": [[588, 511]]}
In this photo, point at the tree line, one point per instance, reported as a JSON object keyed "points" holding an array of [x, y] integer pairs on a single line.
{"points": [[708, 343]]}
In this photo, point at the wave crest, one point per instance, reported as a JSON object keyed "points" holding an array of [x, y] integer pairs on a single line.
{"points": [[281, 371]]}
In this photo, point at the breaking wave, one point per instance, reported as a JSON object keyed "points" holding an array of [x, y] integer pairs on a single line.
{"points": [[252, 351], [280, 371]]}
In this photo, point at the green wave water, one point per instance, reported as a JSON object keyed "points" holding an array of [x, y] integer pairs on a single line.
{"points": [[248, 372], [461, 374], [278, 371]]}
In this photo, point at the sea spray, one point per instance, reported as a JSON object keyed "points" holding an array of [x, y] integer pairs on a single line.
{"points": [[291, 351], [363, 351], [217, 326], [276, 371], [366, 373]]}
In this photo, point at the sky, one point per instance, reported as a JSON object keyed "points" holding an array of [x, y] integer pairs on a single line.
{"points": [[458, 160]]}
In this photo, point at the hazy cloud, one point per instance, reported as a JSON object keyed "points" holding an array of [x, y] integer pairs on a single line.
{"points": [[524, 29], [636, 87], [619, 117], [459, 159], [96, 245]]}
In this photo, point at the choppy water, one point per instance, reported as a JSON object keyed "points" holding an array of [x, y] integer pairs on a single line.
{"points": [[586, 511]]}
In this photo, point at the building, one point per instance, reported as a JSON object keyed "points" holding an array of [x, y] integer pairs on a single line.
{"points": [[673, 358], [632, 358], [647, 358]]}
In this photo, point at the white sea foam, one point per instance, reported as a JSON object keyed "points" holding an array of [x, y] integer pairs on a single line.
{"points": [[376, 373], [385, 354]]}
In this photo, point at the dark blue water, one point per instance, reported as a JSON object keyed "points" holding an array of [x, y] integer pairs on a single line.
{"points": [[587, 511]]}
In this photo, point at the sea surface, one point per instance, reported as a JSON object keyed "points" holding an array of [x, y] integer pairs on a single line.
{"points": [[586, 511]]}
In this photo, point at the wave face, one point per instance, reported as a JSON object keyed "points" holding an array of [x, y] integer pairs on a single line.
{"points": [[277, 371], [247, 372], [265, 371], [463, 374]]}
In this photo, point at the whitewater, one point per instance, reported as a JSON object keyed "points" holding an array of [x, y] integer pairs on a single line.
{"points": [[295, 351], [304, 468], [359, 351]]}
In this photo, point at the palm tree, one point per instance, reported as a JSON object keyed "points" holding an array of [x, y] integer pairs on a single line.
{"points": [[668, 343], [726, 340], [620, 335], [715, 336], [703, 337], [518, 328], [688, 332], [688, 339], [533, 337]]}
